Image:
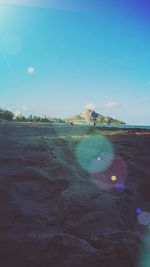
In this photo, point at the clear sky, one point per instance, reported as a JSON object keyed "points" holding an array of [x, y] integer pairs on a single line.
{"points": [[58, 56]]}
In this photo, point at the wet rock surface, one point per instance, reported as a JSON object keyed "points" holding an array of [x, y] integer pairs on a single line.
{"points": [[52, 214]]}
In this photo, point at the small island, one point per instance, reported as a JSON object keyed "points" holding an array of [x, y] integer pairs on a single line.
{"points": [[89, 116]]}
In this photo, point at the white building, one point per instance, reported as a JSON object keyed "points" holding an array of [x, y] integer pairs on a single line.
{"points": [[43, 116], [18, 114]]}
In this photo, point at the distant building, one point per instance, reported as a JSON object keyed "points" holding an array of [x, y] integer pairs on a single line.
{"points": [[43, 116], [18, 115]]}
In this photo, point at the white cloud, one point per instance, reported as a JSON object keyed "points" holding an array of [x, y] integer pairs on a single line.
{"points": [[31, 70], [90, 106], [112, 104]]}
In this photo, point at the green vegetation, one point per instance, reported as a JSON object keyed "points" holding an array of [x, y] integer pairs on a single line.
{"points": [[39, 119], [76, 119], [90, 116], [86, 117], [109, 120], [6, 115]]}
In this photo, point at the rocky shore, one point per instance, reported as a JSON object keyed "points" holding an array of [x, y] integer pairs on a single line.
{"points": [[53, 214]]}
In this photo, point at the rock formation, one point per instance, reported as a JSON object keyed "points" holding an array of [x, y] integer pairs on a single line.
{"points": [[89, 116]]}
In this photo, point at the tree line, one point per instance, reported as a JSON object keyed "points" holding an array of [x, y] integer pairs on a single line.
{"points": [[6, 115]]}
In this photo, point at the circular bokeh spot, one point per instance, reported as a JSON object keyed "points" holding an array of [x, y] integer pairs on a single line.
{"points": [[120, 187], [95, 154], [138, 211], [113, 177], [31, 70]]}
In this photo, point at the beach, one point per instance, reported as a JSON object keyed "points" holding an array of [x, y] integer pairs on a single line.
{"points": [[55, 212]]}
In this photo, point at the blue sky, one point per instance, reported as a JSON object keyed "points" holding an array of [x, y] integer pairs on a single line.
{"points": [[56, 57]]}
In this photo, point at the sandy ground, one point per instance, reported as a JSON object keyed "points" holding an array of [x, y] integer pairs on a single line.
{"points": [[55, 213]]}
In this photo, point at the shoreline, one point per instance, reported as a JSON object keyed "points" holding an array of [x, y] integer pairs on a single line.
{"points": [[109, 127]]}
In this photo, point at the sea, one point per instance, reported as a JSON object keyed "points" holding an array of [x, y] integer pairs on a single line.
{"points": [[126, 126], [123, 126]]}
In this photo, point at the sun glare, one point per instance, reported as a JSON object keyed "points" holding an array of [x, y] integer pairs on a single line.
{"points": [[4, 14]]}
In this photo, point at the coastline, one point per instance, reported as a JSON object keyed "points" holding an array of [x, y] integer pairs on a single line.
{"points": [[103, 126]]}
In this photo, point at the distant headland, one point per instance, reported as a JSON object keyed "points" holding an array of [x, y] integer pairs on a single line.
{"points": [[90, 116]]}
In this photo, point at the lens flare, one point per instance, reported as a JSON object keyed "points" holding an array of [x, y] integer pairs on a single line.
{"points": [[144, 218], [31, 70], [138, 211], [144, 259], [120, 187], [113, 177], [95, 154]]}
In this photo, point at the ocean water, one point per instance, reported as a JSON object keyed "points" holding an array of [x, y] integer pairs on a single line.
{"points": [[125, 126], [146, 127]]}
